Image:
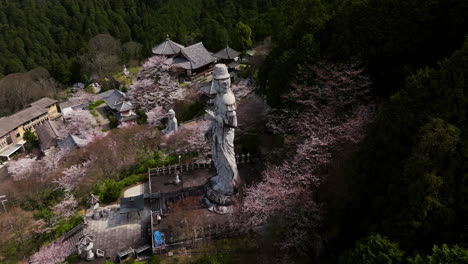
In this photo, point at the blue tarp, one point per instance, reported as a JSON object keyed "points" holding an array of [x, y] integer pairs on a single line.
{"points": [[158, 239]]}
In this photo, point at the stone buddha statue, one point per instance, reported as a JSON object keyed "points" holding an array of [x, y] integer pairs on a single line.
{"points": [[171, 122]]}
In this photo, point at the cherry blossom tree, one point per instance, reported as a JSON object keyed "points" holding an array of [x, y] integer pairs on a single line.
{"points": [[72, 175], [126, 124], [81, 97], [155, 115], [24, 168], [52, 253], [190, 138], [53, 157], [82, 124], [328, 116], [66, 208], [243, 88], [155, 91]]}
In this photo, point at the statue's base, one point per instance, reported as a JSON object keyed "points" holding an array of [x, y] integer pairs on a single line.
{"points": [[217, 202]]}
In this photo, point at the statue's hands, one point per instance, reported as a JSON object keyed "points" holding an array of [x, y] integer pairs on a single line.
{"points": [[211, 115]]}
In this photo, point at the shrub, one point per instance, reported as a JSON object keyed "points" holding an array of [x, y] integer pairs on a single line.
{"points": [[155, 260], [130, 180], [113, 121], [71, 259], [108, 191], [30, 137], [93, 105], [64, 226], [374, 249]]}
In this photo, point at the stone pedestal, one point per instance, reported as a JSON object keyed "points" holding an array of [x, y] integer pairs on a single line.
{"points": [[217, 202]]}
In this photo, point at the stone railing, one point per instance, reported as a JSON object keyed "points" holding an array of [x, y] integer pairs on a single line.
{"points": [[171, 169]]}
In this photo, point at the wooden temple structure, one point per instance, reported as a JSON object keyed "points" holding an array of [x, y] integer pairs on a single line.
{"points": [[167, 48], [193, 60]]}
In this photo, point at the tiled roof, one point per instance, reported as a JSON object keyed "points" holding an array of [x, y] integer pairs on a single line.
{"points": [[9, 123], [192, 57], [72, 142], [48, 133], [115, 99], [44, 102], [168, 47], [38, 108], [227, 53], [124, 106], [103, 95]]}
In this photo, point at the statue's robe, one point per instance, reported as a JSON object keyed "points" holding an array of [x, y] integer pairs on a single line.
{"points": [[222, 145]]}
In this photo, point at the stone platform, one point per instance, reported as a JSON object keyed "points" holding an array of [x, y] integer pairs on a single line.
{"points": [[186, 220], [189, 179], [118, 232]]}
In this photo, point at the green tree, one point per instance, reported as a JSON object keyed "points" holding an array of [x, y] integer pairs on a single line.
{"points": [[442, 255], [414, 154], [242, 36], [374, 249], [30, 137], [295, 44]]}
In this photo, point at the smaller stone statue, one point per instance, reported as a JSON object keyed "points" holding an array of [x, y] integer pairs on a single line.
{"points": [[85, 245], [171, 122], [125, 71], [177, 178], [96, 87], [94, 201]]}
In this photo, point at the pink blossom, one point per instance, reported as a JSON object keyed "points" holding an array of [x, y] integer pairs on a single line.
{"points": [[66, 208], [52, 253], [155, 62], [81, 97], [155, 115], [72, 176], [331, 114], [242, 89], [82, 124], [52, 158], [24, 168], [190, 137], [126, 124], [154, 87]]}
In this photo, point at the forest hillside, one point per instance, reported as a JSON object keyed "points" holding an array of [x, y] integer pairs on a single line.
{"points": [[360, 123]]}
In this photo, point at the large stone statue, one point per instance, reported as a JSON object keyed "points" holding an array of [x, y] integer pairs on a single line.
{"points": [[220, 135], [171, 122]]}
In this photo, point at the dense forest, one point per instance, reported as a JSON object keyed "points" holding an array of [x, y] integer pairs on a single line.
{"points": [[397, 196], [53, 34]]}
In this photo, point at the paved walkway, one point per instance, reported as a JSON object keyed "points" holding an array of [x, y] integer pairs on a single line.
{"points": [[136, 190], [102, 117], [118, 232]]}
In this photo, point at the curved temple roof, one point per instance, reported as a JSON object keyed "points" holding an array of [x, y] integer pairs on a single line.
{"points": [[227, 54], [168, 47], [192, 57]]}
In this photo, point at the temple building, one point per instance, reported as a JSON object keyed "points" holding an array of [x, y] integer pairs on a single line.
{"points": [[12, 128], [118, 105], [229, 56], [167, 48], [192, 59]]}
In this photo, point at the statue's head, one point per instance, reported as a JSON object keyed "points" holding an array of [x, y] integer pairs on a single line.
{"points": [[171, 114], [222, 77]]}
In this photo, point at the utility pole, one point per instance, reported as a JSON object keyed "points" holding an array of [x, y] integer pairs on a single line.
{"points": [[3, 201]]}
